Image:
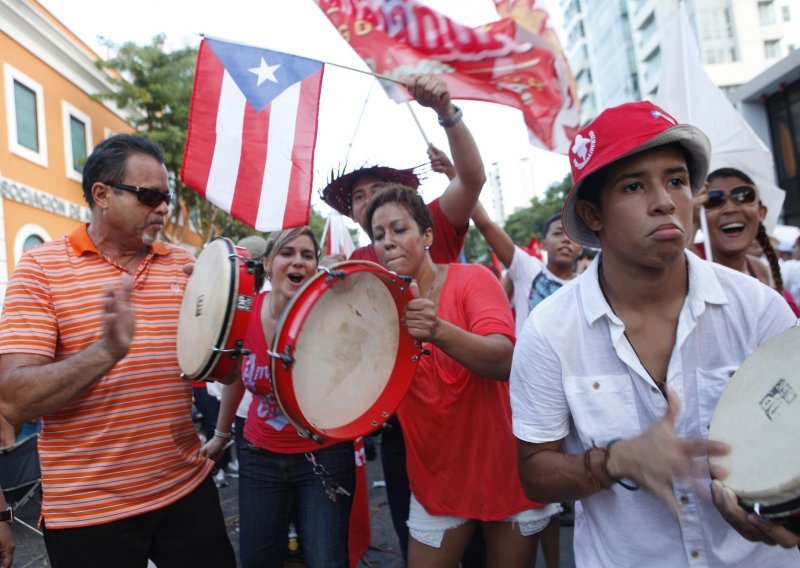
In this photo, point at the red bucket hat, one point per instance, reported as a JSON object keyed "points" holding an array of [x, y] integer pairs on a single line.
{"points": [[339, 191], [623, 131]]}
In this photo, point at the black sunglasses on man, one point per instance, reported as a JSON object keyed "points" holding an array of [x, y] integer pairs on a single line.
{"points": [[145, 195]]}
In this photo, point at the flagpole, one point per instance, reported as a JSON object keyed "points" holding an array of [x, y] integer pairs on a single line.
{"points": [[376, 75], [358, 124], [421, 131], [324, 234]]}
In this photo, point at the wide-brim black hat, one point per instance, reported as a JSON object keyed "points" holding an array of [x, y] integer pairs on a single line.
{"points": [[339, 191]]}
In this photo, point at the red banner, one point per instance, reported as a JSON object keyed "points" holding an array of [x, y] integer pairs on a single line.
{"points": [[501, 62], [359, 533]]}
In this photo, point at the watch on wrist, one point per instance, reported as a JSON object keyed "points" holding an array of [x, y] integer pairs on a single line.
{"points": [[453, 119], [7, 515]]}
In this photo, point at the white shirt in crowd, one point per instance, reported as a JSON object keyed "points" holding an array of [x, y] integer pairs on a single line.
{"points": [[523, 272], [576, 376]]}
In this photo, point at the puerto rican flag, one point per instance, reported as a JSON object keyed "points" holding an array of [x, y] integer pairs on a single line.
{"points": [[252, 131]]}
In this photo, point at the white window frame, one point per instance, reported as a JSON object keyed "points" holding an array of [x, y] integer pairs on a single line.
{"points": [[68, 111], [12, 74], [29, 230]]}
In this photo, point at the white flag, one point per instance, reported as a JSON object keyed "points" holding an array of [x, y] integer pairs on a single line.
{"points": [[686, 92]]}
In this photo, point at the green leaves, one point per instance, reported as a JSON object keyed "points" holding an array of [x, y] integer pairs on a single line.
{"points": [[154, 87], [524, 223]]}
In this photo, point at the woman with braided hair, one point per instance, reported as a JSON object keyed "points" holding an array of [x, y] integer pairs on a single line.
{"points": [[735, 219]]}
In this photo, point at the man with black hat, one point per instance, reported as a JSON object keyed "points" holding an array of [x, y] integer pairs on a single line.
{"points": [[616, 376], [349, 193]]}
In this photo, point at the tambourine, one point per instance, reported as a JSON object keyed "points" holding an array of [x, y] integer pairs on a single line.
{"points": [[758, 414], [215, 311], [341, 360]]}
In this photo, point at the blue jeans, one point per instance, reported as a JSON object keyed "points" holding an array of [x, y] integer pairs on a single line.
{"points": [[272, 485]]}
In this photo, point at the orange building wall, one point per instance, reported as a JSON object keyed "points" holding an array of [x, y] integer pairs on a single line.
{"points": [[52, 179], [56, 89], [19, 214]]}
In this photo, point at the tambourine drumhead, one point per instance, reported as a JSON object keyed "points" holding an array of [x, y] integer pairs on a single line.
{"points": [[758, 414], [208, 308], [353, 361], [358, 323]]}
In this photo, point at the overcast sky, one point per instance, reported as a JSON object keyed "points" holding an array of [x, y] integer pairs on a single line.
{"points": [[387, 133]]}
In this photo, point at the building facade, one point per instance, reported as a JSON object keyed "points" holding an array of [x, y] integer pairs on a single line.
{"points": [[614, 46], [49, 123], [748, 48], [770, 103]]}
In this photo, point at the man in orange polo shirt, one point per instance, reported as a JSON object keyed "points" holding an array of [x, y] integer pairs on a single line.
{"points": [[87, 341]]}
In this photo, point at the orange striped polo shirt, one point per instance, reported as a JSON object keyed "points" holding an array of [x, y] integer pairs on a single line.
{"points": [[127, 445]]}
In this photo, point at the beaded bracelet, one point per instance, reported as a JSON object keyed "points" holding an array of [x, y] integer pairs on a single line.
{"points": [[587, 465], [617, 481]]}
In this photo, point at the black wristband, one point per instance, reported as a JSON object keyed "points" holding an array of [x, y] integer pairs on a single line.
{"points": [[619, 481]]}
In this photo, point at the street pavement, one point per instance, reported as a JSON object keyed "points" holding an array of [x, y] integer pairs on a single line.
{"points": [[384, 551]]}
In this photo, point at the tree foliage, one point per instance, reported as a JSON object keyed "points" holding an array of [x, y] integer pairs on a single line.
{"points": [[475, 247], [525, 223], [155, 87]]}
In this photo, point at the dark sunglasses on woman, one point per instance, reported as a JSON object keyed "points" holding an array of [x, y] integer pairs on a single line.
{"points": [[145, 195], [743, 195]]}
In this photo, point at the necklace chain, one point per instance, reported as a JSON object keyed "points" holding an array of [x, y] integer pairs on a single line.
{"points": [[269, 309], [661, 384]]}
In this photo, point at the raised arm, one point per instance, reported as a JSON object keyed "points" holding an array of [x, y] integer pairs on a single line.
{"points": [[35, 385], [462, 194], [440, 162], [495, 236]]}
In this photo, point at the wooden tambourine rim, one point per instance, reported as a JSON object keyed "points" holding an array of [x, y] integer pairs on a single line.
{"points": [[288, 329], [215, 354]]}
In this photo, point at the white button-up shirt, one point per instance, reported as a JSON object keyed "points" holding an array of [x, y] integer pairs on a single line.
{"points": [[576, 376]]}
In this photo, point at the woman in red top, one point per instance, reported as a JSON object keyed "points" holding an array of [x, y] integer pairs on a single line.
{"points": [[276, 471], [735, 220], [456, 417]]}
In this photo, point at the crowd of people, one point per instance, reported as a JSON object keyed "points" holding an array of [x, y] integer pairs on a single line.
{"points": [[591, 377]]}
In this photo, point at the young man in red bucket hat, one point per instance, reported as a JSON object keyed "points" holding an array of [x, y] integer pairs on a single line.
{"points": [[349, 193], [616, 376]]}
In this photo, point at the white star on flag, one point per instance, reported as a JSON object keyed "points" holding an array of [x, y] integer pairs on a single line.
{"points": [[264, 72]]}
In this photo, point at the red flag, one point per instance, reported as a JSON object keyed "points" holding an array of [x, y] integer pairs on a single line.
{"points": [[501, 63], [359, 532], [534, 248], [532, 16], [252, 129]]}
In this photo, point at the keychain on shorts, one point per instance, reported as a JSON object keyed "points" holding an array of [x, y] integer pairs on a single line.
{"points": [[332, 487]]}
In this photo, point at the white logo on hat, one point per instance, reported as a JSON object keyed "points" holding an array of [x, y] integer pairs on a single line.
{"points": [[583, 148], [657, 114]]}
